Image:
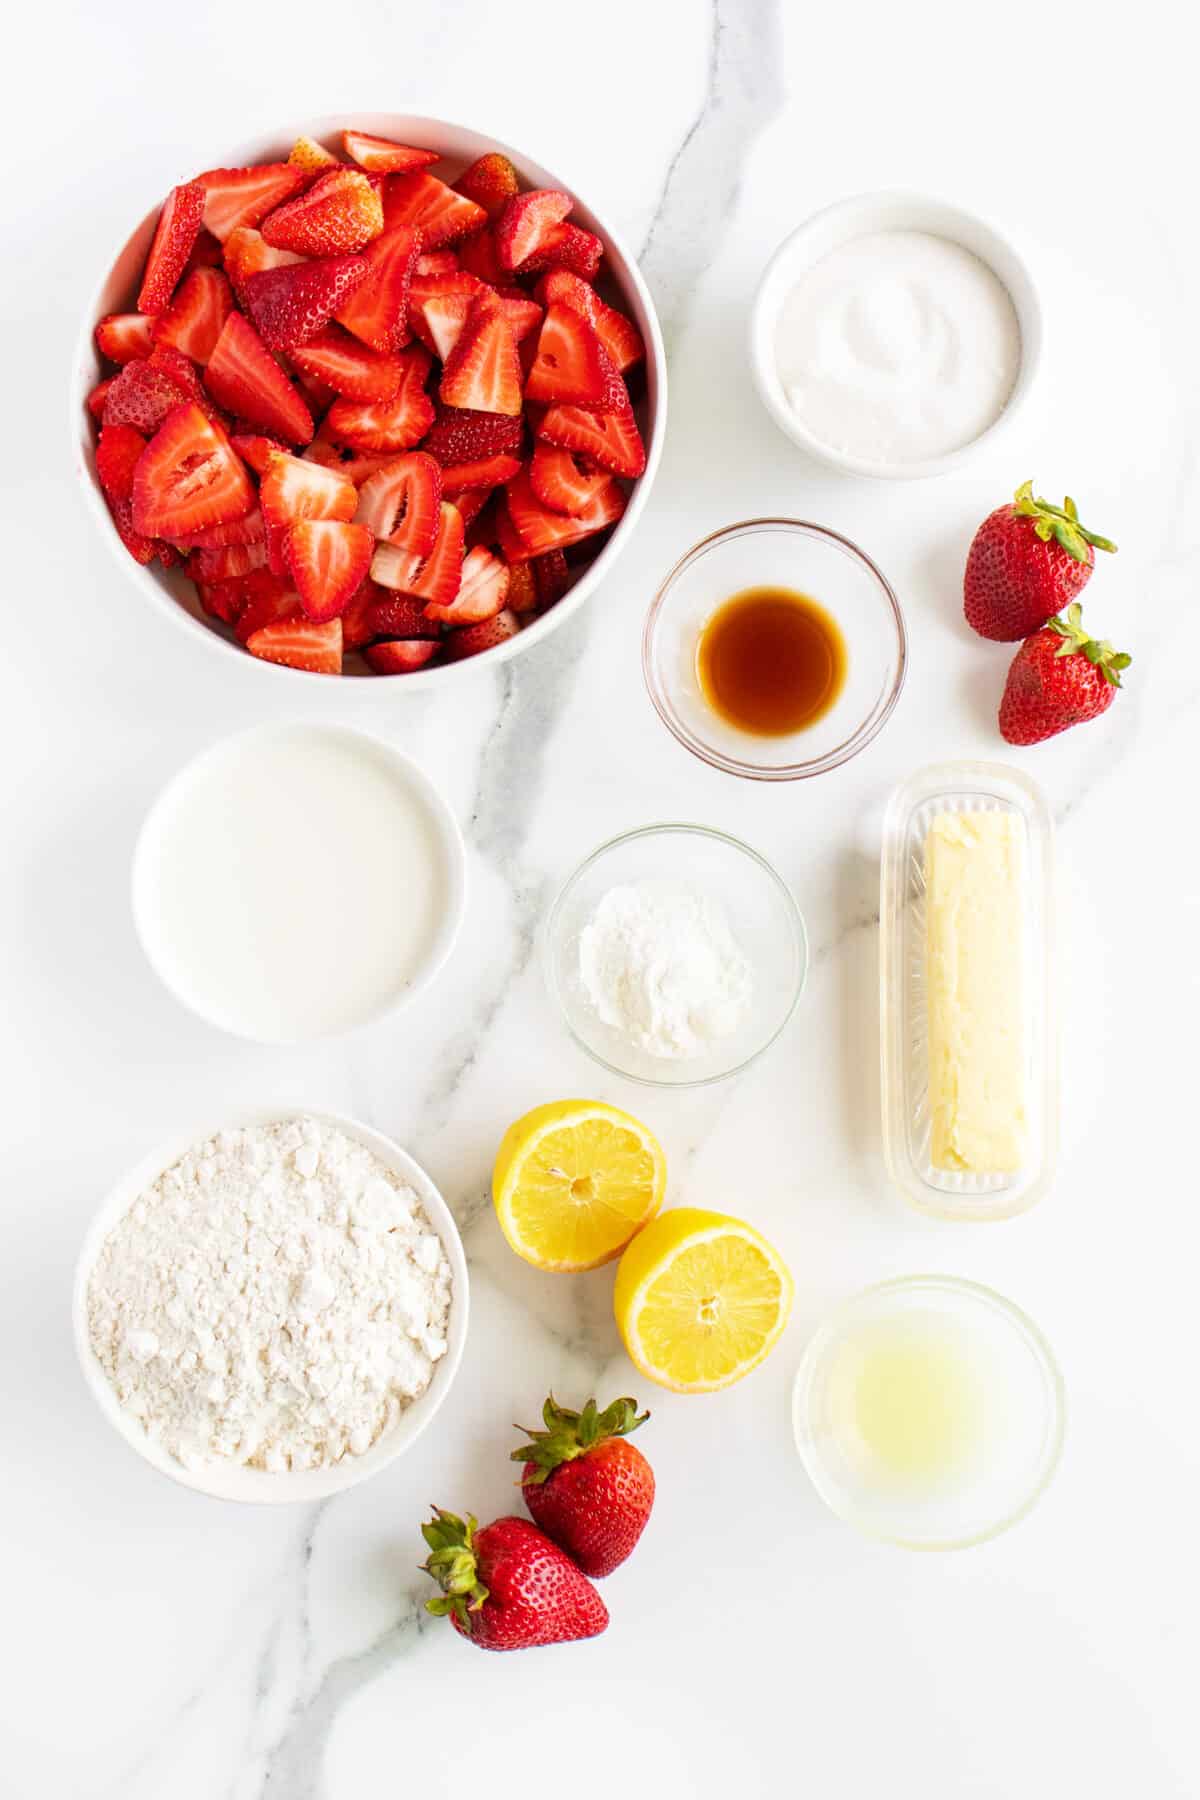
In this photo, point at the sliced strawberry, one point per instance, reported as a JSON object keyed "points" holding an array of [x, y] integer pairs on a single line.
{"points": [[472, 640], [318, 395], [382, 156], [438, 308], [434, 580], [327, 559], [227, 562], [491, 181], [461, 435], [395, 424], [435, 262], [356, 627], [293, 489], [399, 615], [481, 594], [402, 502], [479, 256], [142, 395], [522, 313], [570, 366], [564, 482], [340, 212], [247, 253], [522, 588], [357, 469], [610, 439], [377, 312], [255, 450], [400, 656], [470, 503], [566, 247], [117, 454], [139, 546], [174, 235], [243, 376], [420, 199], [349, 367], [551, 576], [290, 305], [206, 253], [310, 156], [619, 335], [483, 372], [192, 323], [300, 644], [541, 529], [125, 337], [224, 600], [97, 400], [234, 197], [266, 599], [484, 472], [250, 530], [508, 540], [526, 220], [189, 476]]}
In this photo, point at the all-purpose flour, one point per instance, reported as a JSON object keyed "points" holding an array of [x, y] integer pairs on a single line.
{"points": [[276, 1298], [661, 966]]}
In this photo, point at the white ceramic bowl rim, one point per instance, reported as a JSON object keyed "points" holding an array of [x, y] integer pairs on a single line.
{"points": [[441, 819], [415, 128], [903, 210], [229, 1481], [682, 828]]}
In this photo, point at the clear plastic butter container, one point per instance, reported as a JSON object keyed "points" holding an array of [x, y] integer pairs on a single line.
{"points": [[904, 1049]]}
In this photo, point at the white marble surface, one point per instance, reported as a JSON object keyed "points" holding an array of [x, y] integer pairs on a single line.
{"points": [[157, 1643]]}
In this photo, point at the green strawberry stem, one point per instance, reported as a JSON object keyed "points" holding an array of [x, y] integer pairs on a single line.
{"points": [[1098, 651], [451, 1562], [570, 1434], [1058, 522]]}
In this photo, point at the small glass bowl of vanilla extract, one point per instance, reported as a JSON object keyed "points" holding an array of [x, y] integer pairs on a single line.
{"points": [[775, 649]]}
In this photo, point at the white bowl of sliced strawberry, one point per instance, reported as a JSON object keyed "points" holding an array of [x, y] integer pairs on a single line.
{"points": [[378, 397]]}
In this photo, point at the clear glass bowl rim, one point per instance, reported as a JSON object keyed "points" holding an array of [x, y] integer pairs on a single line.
{"points": [[681, 828], [731, 765], [830, 1327]]}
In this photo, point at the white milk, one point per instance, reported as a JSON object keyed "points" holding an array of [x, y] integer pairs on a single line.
{"points": [[292, 882], [898, 346]]}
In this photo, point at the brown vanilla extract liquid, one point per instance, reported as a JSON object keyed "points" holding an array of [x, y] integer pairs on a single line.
{"points": [[771, 661]]}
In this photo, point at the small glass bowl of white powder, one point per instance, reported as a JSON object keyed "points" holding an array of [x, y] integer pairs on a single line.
{"points": [[272, 1310], [676, 955]]}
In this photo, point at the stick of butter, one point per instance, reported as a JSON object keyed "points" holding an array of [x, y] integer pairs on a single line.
{"points": [[975, 991]]}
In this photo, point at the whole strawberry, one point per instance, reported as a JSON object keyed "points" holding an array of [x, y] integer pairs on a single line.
{"points": [[506, 1586], [1059, 677], [587, 1487], [1027, 562]]}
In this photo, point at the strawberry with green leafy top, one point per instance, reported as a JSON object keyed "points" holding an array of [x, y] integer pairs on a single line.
{"points": [[1059, 677], [505, 1586], [1027, 561], [585, 1484]]}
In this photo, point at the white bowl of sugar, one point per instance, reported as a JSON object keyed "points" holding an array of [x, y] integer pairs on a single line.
{"points": [[894, 335]]}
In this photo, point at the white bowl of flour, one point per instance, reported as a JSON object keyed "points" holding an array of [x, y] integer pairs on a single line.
{"points": [[273, 1310]]}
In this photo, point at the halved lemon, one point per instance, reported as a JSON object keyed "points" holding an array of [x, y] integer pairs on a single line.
{"points": [[573, 1181], [700, 1299]]}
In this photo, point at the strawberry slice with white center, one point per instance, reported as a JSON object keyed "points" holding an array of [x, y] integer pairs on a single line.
{"points": [[400, 656], [125, 337], [290, 305], [435, 262], [382, 156], [619, 335], [349, 367], [395, 424], [473, 640], [250, 530], [484, 472], [438, 318], [234, 197], [420, 199], [192, 323], [377, 311], [567, 247], [244, 377], [526, 221], [434, 580], [189, 476], [564, 482], [340, 212], [174, 235], [540, 529], [401, 503], [327, 560], [570, 366], [481, 594], [293, 489], [611, 439], [399, 616], [247, 253], [300, 644], [483, 371]]}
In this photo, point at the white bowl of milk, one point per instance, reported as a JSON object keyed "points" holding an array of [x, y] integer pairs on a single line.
{"points": [[296, 881], [893, 335]]}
